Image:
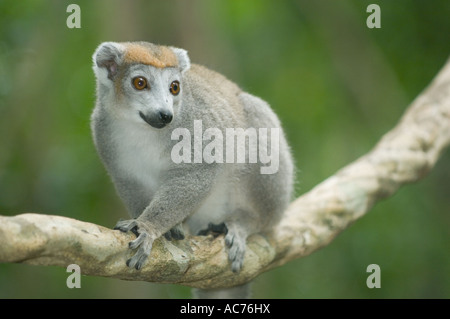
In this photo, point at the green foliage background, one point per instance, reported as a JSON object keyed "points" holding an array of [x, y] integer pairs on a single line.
{"points": [[336, 85]]}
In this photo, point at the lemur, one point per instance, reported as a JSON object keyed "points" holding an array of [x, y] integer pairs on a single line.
{"points": [[146, 91]]}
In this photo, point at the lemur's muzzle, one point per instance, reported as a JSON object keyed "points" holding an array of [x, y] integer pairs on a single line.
{"points": [[157, 120]]}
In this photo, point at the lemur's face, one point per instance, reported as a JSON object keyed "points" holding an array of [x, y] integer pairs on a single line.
{"points": [[142, 81], [150, 95]]}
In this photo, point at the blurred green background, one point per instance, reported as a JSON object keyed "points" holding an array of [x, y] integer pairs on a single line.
{"points": [[336, 85]]}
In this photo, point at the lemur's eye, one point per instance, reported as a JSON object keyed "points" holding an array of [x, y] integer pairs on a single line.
{"points": [[139, 83], [175, 87]]}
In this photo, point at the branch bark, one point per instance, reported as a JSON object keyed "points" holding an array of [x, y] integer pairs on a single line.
{"points": [[404, 155]]}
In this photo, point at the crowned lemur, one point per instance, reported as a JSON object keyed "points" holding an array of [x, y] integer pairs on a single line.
{"points": [[145, 92]]}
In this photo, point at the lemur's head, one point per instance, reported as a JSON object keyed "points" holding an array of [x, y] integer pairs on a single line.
{"points": [[141, 81]]}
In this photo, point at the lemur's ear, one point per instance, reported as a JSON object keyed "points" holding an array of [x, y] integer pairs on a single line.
{"points": [[184, 62], [109, 55]]}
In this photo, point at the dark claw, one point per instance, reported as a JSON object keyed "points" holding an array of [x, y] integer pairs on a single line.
{"points": [[236, 267], [141, 262], [125, 226], [229, 241], [134, 230], [117, 227]]}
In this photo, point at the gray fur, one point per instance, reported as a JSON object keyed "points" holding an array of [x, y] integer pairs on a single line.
{"points": [[161, 195], [237, 292]]}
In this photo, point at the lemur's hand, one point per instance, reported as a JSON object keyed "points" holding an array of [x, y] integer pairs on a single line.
{"points": [[144, 240]]}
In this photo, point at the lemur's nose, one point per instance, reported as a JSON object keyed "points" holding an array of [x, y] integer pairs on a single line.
{"points": [[166, 117]]}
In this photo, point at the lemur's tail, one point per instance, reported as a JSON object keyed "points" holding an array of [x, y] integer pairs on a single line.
{"points": [[238, 292]]}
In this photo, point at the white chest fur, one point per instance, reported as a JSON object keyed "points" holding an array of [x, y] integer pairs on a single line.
{"points": [[139, 154], [214, 208]]}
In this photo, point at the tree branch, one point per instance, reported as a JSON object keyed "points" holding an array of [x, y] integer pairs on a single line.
{"points": [[403, 155]]}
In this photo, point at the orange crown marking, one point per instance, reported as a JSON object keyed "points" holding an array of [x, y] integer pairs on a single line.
{"points": [[157, 56]]}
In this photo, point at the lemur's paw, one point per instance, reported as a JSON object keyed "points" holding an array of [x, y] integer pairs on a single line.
{"points": [[144, 241], [176, 233], [236, 243]]}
